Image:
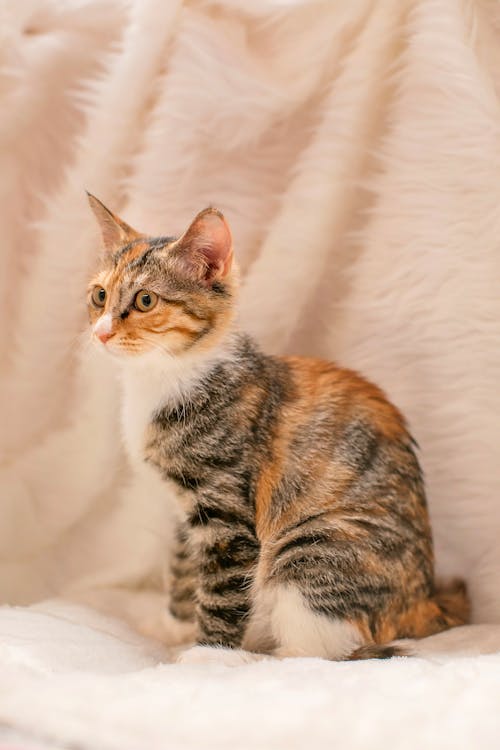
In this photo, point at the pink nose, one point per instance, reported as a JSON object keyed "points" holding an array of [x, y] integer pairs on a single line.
{"points": [[104, 337]]}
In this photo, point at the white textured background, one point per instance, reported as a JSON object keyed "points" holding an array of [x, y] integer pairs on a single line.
{"points": [[355, 149]]}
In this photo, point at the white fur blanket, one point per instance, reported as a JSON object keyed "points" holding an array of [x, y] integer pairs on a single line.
{"points": [[70, 677], [355, 149]]}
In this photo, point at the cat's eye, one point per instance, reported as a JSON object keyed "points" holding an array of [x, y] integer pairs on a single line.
{"points": [[98, 296], [145, 301]]}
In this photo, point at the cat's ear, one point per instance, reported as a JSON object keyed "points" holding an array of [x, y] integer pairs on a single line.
{"points": [[206, 248], [115, 233]]}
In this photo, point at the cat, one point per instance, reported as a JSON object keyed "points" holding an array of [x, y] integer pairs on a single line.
{"points": [[304, 528]]}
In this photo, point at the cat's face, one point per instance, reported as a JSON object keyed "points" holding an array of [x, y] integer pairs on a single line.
{"points": [[161, 294]]}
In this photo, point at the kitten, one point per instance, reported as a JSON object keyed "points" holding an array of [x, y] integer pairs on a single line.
{"points": [[305, 529]]}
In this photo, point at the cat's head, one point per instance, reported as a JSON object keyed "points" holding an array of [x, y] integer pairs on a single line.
{"points": [[163, 294]]}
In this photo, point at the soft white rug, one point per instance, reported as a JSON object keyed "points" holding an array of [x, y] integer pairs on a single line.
{"points": [[355, 149], [70, 677]]}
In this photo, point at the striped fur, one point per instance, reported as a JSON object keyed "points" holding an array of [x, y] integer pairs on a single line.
{"points": [[305, 526]]}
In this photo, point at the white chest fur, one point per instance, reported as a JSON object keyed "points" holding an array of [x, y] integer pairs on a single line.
{"points": [[150, 383]]}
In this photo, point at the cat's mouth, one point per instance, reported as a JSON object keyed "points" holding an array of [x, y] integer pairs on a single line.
{"points": [[118, 347]]}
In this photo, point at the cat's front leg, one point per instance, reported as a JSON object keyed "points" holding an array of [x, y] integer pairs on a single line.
{"points": [[228, 558], [227, 657], [183, 578], [227, 552], [175, 623]]}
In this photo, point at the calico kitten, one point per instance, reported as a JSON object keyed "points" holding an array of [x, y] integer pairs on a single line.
{"points": [[305, 529]]}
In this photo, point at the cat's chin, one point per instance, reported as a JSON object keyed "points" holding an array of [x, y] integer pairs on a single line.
{"points": [[133, 353], [147, 357], [123, 354]]}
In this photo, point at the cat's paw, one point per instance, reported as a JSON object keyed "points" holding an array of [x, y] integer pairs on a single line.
{"points": [[168, 629], [228, 657]]}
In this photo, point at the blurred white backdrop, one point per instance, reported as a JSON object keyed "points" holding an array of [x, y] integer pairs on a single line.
{"points": [[355, 150]]}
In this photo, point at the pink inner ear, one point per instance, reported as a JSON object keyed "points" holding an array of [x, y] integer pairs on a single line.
{"points": [[209, 244]]}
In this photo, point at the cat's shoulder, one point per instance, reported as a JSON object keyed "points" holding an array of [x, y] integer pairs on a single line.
{"points": [[353, 396]]}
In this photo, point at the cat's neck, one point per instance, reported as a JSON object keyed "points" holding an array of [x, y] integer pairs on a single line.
{"points": [[170, 379], [156, 380]]}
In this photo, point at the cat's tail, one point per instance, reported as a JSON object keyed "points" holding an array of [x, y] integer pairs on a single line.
{"points": [[448, 608]]}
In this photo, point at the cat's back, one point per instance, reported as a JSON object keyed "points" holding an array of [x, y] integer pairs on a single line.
{"points": [[338, 444], [339, 397]]}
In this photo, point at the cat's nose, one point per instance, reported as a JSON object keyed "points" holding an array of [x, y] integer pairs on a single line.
{"points": [[103, 329], [104, 337]]}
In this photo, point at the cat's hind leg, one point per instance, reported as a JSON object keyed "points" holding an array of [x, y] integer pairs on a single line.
{"points": [[298, 630], [294, 629]]}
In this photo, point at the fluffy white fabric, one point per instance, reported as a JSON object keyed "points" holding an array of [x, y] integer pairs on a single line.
{"points": [[70, 677], [355, 149]]}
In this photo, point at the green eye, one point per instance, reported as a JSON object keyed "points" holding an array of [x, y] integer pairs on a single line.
{"points": [[99, 296], [145, 301]]}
